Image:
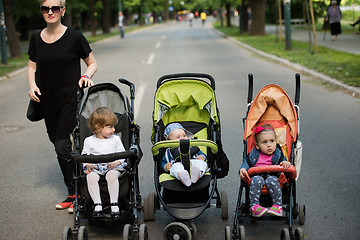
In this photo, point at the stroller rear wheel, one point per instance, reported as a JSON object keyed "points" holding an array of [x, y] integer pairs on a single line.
{"points": [[82, 233], [227, 233], [177, 231], [67, 233], [301, 214], [224, 206]]}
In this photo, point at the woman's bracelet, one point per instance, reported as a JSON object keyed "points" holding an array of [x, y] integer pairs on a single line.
{"points": [[85, 76]]}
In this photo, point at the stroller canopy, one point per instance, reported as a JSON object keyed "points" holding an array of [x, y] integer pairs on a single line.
{"points": [[186, 100], [272, 105]]}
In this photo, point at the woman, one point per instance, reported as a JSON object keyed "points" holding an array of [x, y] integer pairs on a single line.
{"points": [[55, 55], [333, 15]]}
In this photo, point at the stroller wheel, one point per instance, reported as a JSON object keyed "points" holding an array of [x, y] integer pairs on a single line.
{"points": [[146, 209], [127, 232], [301, 214], [224, 206], [177, 231], [285, 234], [299, 234], [241, 232], [143, 232], [151, 204], [82, 233], [227, 233], [193, 229], [67, 233]]}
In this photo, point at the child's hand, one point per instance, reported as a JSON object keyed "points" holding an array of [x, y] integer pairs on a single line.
{"points": [[113, 164], [285, 164], [168, 166], [89, 168], [242, 173], [200, 157]]}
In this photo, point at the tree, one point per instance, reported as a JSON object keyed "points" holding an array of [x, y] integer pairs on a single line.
{"points": [[12, 35], [105, 16], [258, 8]]}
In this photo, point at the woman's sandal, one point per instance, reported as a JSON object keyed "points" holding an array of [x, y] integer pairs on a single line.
{"points": [[115, 215]]}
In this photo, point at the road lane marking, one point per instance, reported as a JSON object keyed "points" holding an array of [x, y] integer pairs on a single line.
{"points": [[150, 59], [157, 45], [140, 92]]}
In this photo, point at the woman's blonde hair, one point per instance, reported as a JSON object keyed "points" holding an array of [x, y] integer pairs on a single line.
{"points": [[62, 2], [100, 118]]}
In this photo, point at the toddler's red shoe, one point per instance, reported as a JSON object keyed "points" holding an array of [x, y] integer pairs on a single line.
{"points": [[258, 211], [66, 203]]}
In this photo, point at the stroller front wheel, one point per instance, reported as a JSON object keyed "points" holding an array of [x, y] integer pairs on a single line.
{"points": [[127, 232], [67, 233], [285, 234], [143, 232], [82, 233], [177, 231]]}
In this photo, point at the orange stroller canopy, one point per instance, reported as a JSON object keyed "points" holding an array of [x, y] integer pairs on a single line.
{"points": [[272, 105]]}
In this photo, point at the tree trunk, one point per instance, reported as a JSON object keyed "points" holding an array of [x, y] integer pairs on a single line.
{"points": [[228, 14], [258, 8], [93, 21], [105, 16], [12, 35]]}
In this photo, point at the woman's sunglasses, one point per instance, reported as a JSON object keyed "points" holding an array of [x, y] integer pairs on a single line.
{"points": [[54, 9]]}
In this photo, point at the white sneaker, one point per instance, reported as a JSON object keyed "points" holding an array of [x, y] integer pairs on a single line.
{"points": [[185, 178]]}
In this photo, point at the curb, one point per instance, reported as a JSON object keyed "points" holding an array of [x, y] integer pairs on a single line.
{"points": [[353, 90]]}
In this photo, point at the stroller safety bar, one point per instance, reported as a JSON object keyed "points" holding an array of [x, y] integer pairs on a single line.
{"points": [[273, 168], [132, 152], [176, 143]]}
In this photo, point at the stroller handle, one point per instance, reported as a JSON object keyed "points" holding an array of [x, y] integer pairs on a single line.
{"points": [[105, 158], [272, 168], [186, 75], [131, 86], [176, 143]]}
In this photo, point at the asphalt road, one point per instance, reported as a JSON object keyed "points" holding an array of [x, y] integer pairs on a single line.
{"points": [[31, 182]]}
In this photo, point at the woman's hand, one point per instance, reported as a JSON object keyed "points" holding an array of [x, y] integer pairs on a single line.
{"points": [[89, 167], [34, 94], [285, 164], [200, 157], [85, 82]]}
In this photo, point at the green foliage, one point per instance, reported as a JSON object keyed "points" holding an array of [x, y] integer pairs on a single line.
{"points": [[339, 65]]}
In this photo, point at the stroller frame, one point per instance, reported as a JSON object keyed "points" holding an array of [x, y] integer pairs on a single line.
{"points": [[184, 212], [133, 156], [293, 209]]}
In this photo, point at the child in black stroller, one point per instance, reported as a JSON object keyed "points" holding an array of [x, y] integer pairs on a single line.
{"points": [[113, 198]]}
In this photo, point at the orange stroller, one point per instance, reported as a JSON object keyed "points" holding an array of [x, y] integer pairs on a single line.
{"points": [[273, 106]]}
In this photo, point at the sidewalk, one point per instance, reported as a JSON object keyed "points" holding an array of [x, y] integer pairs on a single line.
{"points": [[347, 42]]}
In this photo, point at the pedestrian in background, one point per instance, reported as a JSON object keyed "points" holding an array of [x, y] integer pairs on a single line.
{"points": [[121, 24], [54, 54], [334, 15]]}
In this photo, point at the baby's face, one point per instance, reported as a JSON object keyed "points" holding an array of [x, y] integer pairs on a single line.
{"points": [[177, 134]]}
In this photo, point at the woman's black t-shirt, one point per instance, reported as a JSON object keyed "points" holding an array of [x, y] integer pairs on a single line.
{"points": [[59, 67]]}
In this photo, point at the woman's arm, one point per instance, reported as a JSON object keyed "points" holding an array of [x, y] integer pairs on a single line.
{"points": [[34, 89], [92, 66]]}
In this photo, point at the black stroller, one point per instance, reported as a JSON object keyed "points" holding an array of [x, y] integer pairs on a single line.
{"points": [[110, 96], [188, 99], [273, 106]]}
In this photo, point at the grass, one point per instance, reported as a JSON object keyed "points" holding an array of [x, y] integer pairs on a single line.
{"points": [[18, 63], [339, 65]]}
